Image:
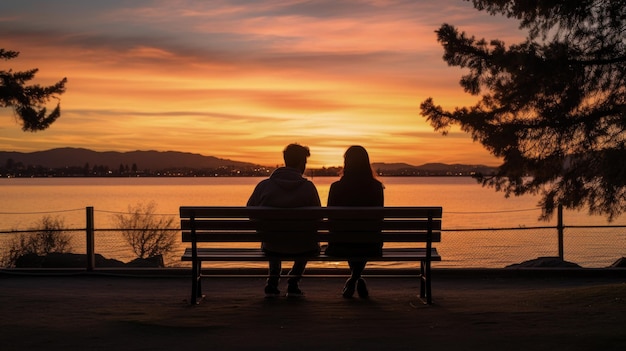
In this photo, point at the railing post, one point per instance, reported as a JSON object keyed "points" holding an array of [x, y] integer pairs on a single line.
{"points": [[559, 228], [89, 238]]}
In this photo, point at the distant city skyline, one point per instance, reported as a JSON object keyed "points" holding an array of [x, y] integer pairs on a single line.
{"points": [[240, 80]]}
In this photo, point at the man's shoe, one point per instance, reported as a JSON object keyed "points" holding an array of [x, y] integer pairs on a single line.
{"points": [[294, 291], [348, 288], [361, 289], [271, 291]]}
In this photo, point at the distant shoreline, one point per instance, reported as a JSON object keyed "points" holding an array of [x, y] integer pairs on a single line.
{"points": [[226, 176], [72, 162]]}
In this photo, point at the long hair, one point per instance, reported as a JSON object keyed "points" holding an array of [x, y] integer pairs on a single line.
{"points": [[357, 163]]}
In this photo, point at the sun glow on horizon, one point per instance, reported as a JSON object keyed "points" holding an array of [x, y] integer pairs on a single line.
{"points": [[241, 83]]}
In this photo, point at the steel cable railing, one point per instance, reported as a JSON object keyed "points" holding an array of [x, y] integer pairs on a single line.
{"points": [[593, 246]]}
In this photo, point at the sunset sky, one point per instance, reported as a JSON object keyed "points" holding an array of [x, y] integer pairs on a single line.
{"points": [[241, 79]]}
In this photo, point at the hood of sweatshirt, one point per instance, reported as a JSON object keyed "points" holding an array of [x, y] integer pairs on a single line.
{"points": [[287, 178]]}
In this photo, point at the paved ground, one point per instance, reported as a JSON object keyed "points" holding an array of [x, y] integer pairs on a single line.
{"points": [[496, 311]]}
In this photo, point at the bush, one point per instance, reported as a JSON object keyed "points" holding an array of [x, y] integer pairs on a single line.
{"points": [[147, 233], [48, 237]]}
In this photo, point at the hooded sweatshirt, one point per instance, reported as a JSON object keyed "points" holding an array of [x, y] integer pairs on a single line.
{"points": [[287, 188]]}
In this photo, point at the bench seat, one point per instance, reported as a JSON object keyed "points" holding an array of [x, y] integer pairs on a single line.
{"points": [[218, 233]]}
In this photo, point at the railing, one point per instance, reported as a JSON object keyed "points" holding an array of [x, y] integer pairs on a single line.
{"points": [[591, 246]]}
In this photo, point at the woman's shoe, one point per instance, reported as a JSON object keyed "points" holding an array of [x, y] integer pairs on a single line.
{"points": [[361, 289], [348, 288]]}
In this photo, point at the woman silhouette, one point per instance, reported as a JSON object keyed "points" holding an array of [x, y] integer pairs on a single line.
{"points": [[358, 186]]}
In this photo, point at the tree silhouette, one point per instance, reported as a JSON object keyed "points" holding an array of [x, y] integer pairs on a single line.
{"points": [[553, 107], [148, 233], [28, 101]]}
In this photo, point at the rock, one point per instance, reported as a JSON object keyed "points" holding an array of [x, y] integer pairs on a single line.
{"points": [[552, 262], [29, 261], [620, 263], [64, 260], [103, 262], [150, 262]]}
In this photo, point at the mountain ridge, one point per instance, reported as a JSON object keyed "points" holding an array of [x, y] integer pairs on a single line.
{"points": [[151, 159], [154, 160]]}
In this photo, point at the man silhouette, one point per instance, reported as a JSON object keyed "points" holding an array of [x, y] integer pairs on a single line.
{"points": [[286, 187]]}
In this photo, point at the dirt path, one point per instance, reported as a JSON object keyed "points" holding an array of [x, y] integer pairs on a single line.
{"points": [[150, 313]]}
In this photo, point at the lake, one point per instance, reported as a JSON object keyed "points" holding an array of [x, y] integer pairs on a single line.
{"points": [[466, 205]]}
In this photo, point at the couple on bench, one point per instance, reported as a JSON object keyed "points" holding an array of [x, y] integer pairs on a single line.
{"points": [[286, 187]]}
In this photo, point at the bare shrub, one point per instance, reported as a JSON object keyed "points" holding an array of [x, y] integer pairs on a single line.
{"points": [[48, 237], [148, 233]]}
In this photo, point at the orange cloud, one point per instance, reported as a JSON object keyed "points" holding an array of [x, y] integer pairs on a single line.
{"points": [[241, 82]]}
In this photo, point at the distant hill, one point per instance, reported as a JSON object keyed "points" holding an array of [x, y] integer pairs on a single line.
{"points": [[432, 169], [163, 160], [76, 157], [391, 166]]}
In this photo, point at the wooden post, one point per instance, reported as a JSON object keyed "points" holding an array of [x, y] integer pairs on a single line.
{"points": [[89, 238], [559, 228]]}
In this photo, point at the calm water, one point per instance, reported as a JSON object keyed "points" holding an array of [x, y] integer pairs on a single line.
{"points": [[466, 206]]}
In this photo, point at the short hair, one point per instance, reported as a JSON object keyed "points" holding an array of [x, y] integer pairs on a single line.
{"points": [[295, 155]]}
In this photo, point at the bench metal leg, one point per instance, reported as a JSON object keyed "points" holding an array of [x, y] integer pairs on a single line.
{"points": [[429, 297], [196, 281], [425, 286], [422, 277]]}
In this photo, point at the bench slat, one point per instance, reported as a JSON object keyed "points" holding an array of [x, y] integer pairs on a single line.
{"points": [[252, 236], [310, 212], [250, 254], [282, 224]]}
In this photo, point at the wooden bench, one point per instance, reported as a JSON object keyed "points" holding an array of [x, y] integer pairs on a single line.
{"points": [[230, 234]]}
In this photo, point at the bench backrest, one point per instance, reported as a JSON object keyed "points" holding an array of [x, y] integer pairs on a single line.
{"points": [[242, 224]]}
